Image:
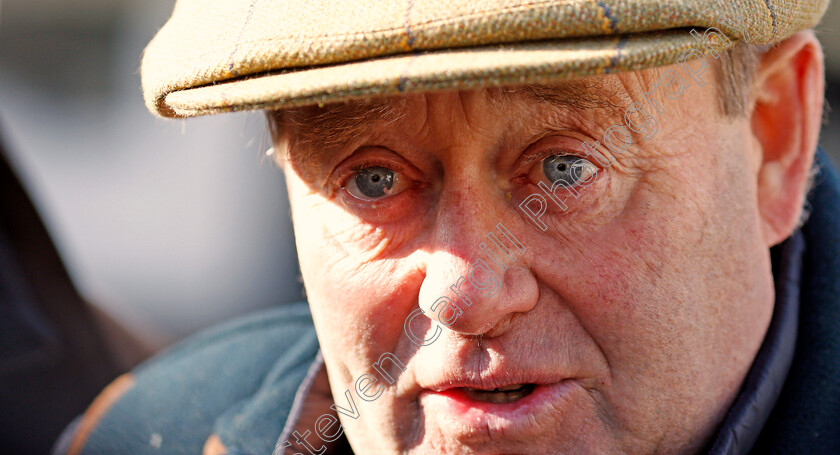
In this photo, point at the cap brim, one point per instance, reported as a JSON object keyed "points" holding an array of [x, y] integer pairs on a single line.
{"points": [[510, 64]]}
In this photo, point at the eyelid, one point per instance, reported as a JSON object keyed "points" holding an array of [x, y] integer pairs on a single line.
{"points": [[530, 167], [570, 145], [536, 156], [407, 177], [349, 172], [371, 156]]}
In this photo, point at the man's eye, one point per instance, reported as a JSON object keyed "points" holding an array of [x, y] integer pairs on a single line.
{"points": [[375, 182], [565, 171]]}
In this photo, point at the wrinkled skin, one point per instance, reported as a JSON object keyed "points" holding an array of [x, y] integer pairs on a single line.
{"points": [[648, 298]]}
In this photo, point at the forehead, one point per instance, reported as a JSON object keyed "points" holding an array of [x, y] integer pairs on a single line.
{"points": [[321, 130], [331, 125]]}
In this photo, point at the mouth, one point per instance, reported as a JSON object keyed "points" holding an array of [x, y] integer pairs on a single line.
{"points": [[499, 395], [510, 408]]}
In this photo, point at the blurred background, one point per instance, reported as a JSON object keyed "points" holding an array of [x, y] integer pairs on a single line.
{"points": [[164, 226], [167, 226]]}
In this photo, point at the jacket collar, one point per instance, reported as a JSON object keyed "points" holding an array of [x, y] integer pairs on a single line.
{"points": [[763, 384]]}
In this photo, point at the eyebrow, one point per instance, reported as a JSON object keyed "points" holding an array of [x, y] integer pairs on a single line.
{"points": [[578, 95], [322, 129]]}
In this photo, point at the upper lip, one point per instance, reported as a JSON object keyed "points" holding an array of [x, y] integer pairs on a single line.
{"points": [[463, 366], [493, 380]]}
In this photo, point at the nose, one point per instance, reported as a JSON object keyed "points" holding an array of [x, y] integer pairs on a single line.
{"points": [[476, 275]]}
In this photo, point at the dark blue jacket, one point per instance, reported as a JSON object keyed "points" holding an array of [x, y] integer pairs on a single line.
{"points": [[238, 381]]}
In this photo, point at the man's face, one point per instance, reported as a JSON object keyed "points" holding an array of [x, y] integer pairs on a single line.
{"points": [[626, 326]]}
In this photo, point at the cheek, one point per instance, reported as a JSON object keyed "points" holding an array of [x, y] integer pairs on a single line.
{"points": [[639, 283], [613, 278], [640, 297], [357, 308], [358, 297], [657, 287]]}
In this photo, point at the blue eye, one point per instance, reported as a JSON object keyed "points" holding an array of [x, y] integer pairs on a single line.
{"points": [[568, 170], [375, 182]]}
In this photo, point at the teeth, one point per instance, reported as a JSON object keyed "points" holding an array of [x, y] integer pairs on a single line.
{"points": [[501, 395], [509, 388]]}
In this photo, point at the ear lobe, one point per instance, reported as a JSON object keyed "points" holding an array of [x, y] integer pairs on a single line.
{"points": [[785, 117]]}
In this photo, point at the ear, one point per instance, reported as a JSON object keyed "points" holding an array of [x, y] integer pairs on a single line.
{"points": [[785, 117]]}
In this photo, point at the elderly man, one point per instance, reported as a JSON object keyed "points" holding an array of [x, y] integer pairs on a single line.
{"points": [[524, 227]]}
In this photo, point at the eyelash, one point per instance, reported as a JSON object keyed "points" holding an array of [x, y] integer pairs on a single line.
{"points": [[374, 163], [536, 157], [355, 168]]}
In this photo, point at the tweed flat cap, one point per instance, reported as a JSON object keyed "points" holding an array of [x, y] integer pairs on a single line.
{"points": [[218, 56]]}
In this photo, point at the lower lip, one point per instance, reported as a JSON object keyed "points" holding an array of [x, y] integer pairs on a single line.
{"points": [[455, 403]]}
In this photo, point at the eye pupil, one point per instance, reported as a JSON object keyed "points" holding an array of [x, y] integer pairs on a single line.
{"points": [[561, 167], [374, 178]]}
